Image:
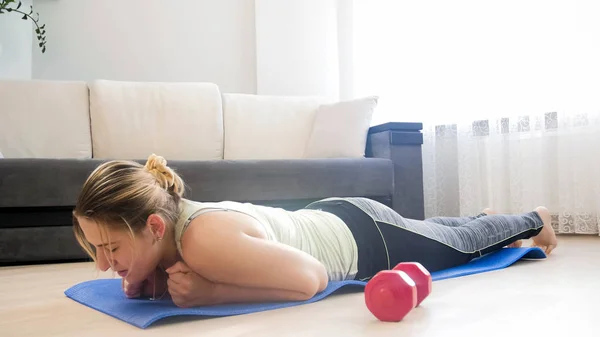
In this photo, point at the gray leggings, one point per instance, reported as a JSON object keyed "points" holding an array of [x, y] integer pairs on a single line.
{"points": [[386, 238]]}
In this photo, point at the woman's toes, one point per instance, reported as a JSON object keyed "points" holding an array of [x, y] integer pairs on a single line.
{"points": [[488, 211], [515, 244]]}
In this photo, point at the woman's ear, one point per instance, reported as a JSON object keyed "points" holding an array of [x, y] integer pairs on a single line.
{"points": [[157, 226]]}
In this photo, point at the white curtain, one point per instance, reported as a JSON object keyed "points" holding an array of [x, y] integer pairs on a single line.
{"points": [[515, 164], [508, 93]]}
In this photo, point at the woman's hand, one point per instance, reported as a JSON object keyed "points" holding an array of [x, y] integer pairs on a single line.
{"points": [[132, 290], [147, 287], [155, 285], [188, 289]]}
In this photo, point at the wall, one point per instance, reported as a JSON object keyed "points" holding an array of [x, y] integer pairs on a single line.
{"points": [[149, 40], [297, 47], [15, 46]]}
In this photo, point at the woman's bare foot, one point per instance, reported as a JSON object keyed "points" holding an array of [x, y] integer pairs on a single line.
{"points": [[546, 240], [515, 244], [489, 211]]}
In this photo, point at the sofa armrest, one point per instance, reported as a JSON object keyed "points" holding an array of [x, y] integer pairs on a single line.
{"points": [[401, 143]]}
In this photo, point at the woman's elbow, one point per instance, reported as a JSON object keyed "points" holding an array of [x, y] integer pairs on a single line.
{"points": [[322, 278], [316, 281]]}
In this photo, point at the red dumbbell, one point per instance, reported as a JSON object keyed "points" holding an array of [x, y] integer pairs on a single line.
{"points": [[390, 295], [420, 275]]}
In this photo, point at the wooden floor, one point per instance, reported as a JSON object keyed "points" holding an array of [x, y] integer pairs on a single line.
{"points": [[557, 296]]}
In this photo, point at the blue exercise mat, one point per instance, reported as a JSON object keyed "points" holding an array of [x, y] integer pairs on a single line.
{"points": [[106, 295]]}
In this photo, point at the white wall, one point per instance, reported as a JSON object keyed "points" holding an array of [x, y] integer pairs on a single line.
{"points": [[15, 45], [345, 28], [297, 47], [149, 40]]}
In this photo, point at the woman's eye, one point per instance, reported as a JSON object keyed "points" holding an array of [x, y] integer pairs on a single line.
{"points": [[114, 250]]}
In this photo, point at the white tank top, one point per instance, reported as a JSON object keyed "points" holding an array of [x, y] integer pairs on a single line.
{"points": [[320, 234]]}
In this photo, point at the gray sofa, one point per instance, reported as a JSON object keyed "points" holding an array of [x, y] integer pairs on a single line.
{"points": [[37, 195]]}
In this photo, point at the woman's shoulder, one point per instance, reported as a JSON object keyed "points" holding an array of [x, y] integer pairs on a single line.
{"points": [[224, 205], [190, 209], [210, 219], [197, 203]]}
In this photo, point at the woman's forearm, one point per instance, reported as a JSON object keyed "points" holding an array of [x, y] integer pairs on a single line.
{"points": [[230, 294], [189, 289]]}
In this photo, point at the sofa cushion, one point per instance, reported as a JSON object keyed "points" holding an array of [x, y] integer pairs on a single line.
{"points": [[267, 127], [131, 120], [42, 182], [291, 179], [340, 129], [44, 119], [48, 182], [39, 244]]}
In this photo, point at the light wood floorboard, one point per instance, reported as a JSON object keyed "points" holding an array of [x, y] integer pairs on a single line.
{"points": [[557, 296]]}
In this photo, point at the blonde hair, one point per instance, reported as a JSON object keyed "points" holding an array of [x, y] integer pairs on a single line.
{"points": [[122, 195]]}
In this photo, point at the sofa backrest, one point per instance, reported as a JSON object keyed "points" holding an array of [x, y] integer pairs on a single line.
{"points": [[180, 121], [44, 119], [267, 127]]}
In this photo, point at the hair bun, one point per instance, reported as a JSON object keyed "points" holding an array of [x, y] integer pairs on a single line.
{"points": [[157, 165]]}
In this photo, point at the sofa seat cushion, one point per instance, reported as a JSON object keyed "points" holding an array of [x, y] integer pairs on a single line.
{"points": [[32, 182], [292, 179], [44, 119], [39, 244], [181, 121], [52, 183]]}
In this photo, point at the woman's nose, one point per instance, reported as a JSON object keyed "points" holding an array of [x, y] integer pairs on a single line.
{"points": [[102, 261]]}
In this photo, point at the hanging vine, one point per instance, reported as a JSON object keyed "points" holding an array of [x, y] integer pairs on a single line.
{"points": [[13, 6]]}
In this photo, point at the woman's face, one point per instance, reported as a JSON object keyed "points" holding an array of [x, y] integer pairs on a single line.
{"points": [[133, 259]]}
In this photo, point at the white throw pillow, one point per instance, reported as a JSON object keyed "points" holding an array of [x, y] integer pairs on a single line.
{"points": [[340, 129]]}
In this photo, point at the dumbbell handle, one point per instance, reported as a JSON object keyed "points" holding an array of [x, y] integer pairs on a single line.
{"points": [[420, 275]]}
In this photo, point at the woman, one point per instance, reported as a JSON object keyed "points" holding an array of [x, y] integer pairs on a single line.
{"points": [[134, 219]]}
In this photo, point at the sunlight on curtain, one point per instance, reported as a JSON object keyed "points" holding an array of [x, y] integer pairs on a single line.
{"points": [[509, 94], [451, 61]]}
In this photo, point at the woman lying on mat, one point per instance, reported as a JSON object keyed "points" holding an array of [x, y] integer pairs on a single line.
{"points": [[133, 219]]}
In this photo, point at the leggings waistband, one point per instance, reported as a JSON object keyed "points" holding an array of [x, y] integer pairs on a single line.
{"points": [[372, 256]]}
